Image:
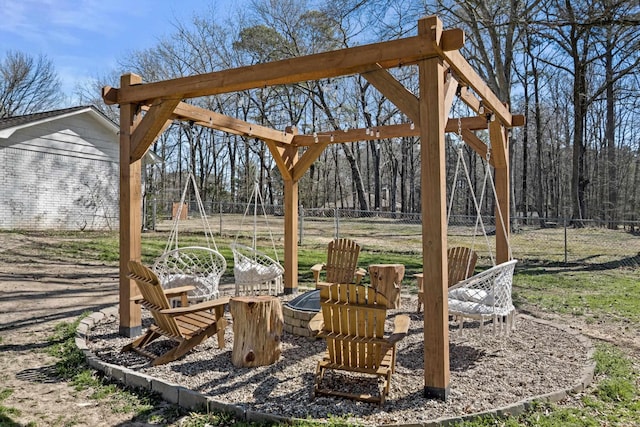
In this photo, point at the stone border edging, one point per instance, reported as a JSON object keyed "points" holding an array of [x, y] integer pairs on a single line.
{"points": [[189, 399]]}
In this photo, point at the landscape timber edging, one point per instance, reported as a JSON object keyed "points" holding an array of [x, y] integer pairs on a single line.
{"points": [[181, 396]]}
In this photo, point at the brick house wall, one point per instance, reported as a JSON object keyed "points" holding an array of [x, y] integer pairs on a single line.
{"points": [[60, 172]]}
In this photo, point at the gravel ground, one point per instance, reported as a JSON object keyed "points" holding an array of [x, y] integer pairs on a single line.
{"points": [[487, 372]]}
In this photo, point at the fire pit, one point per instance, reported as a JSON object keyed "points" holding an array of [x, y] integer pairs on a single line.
{"points": [[299, 311]]}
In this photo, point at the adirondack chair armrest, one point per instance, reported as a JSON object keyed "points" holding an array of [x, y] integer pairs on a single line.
{"points": [[170, 293], [206, 305], [178, 291], [316, 269], [316, 323], [359, 275], [400, 328]]}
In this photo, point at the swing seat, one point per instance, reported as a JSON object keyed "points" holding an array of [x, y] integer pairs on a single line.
{"points": [[198, 266], [485, 296], [255, 273]]}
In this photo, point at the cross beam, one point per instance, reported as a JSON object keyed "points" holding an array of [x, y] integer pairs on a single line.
{"points": [[343, 62]]}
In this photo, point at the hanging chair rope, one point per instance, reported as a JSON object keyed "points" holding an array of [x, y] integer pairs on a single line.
{"points": [[172, 242], [254, 271], [493, 188], [257, 197], [486, 295], [199, 266], [476, 203]]}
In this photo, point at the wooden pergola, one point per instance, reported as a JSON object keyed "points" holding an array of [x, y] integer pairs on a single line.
{"points": [[148, 109]]}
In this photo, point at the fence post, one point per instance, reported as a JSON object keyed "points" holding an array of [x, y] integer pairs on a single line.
{"points": [[301, 224], [336, 213], [220, 216], [154, 212], [565, 239]]}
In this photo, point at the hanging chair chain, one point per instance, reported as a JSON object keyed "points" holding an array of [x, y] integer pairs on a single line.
{"points": [[488, 138], [488, 178], [493, 187], [172, 242], [257, 196]]}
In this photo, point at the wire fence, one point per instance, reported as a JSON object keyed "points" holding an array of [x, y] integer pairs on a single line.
{"points": [[549, 242]]}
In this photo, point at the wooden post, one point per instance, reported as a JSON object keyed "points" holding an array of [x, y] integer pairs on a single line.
{"points": [[434, 225], [387, 279], [257, 330], [290, 236], [503, 229], [130, 214]]}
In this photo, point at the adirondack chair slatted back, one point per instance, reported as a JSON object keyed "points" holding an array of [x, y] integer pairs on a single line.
{"points": [[462, 262], [354, 318], [342, 260], [154, 298]]}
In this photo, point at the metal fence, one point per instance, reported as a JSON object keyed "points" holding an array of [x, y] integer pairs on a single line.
{"points": [[552, 242]]}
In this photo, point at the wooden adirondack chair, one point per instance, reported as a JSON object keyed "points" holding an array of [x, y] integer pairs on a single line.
{"points": [[341, 265], [188, 325], [351, 320], [461, 263]]}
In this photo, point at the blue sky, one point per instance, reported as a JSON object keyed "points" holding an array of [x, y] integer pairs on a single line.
{"points": [[85, 38]]}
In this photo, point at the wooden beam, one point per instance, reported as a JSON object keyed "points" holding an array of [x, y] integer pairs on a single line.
{"points": [[324, 65], [306, 160], [434, 220], [290, 236], [499, 149], [499, 138], [467, 75], [153, 122], [284, 156], [278, 154], [518, 120], [476, 144], [471, 123], [384, 132], [469, 98], [130, 214], [450, 89], [213, 120], [391, 88]]}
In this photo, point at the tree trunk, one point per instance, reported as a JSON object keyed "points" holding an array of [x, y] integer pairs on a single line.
{"points": [[525, 149], [612, 202], [356, 177], [374, 147], [257, 330], [387, 279]]}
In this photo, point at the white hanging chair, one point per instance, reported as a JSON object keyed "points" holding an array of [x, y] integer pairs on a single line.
{"points": [[256, 273], [199, 266], [486, 295]]}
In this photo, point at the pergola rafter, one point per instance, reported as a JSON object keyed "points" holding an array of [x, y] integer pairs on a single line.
{"points": [[148, 109]]}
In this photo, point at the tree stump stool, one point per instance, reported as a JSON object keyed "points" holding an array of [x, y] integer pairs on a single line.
{"points": [[257, 329], [387, 279]]}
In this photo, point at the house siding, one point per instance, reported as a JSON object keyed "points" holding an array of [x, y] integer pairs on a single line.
{"points": [[60, 175]]}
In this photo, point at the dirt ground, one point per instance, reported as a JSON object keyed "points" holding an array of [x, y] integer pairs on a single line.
{"points": [[38, 292], [35, 295]]}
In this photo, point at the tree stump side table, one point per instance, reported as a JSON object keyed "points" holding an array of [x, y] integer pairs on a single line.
{"points": [[257, 330], [387, 279]]}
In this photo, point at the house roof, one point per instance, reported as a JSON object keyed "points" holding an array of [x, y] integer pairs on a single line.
{"points": [[11, 124]]}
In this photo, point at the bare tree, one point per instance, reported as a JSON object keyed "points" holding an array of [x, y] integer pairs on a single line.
{"points": [[575, 29], [27, 85]]}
